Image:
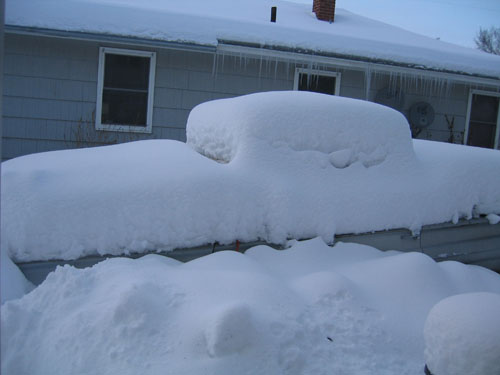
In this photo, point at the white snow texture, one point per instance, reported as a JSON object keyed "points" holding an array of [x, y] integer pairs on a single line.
{"points": [[298, 165], [462, 335], [244, 21], [13, 283], [310, 309], [349, 130]]}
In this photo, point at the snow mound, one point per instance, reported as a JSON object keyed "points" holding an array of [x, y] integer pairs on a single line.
{"points": [[13, 283], [493, 219], [462, 335], [310, 309], [348, 130], [230, 330], [322, 285]]}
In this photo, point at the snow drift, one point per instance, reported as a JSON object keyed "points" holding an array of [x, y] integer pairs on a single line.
{"points": [[310, 309], [347, 167]]}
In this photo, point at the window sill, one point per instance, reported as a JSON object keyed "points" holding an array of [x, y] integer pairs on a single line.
{"points": [[125, 128]]}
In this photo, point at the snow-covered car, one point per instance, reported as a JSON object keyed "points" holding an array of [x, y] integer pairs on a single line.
{"points": [[275, 167], [269, 166]]}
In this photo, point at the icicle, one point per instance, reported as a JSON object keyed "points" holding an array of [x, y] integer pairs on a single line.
{"points": [[260, 67], [276, 69], [368, 82], [214, 66], [375, 78]]}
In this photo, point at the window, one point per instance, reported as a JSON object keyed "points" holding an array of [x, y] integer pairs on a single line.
{"points": [[483, 119], [125, 90], [317, 81]]}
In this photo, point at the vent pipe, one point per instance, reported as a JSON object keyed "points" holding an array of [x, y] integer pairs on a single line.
{"points": [[273, 14]]}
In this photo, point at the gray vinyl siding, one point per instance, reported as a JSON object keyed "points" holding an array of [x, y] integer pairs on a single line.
{"points": [[449, 100], [50, 90], [352, 84]]}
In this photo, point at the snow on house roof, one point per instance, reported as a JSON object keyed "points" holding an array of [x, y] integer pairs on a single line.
{"points": [[209, 23]]}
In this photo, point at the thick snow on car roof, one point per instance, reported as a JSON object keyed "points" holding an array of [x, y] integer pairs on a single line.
{"points": [[302, 121], [161, 194], [243, 21]]}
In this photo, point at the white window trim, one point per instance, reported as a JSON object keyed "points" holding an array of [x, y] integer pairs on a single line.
{"points": [[469, 107], [100, 83], [315, 72]]}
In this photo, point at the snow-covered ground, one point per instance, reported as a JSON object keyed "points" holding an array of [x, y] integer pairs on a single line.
{"points": [[310, 309], [289, 165], [245, 21]]}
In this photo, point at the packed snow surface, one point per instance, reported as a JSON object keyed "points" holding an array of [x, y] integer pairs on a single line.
{"points": [[344, 166], [13, 284], [247, 21], [310, 309], [462, 335]]}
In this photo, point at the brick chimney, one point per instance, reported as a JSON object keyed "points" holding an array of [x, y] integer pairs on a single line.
{"points": [[324, 9]]}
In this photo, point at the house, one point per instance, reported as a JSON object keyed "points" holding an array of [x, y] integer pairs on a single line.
{"points": [[81, 73]]}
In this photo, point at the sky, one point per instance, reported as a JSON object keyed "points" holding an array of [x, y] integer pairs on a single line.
{"points": [[454, 21]]}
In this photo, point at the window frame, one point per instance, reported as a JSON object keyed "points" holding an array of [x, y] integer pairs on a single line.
{"points": [[473, 92], [316, 72], [148, 128]]}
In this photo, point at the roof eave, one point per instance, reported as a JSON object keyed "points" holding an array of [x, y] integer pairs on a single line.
{"points": [[275, 51], [110, 38], [353, 62]]}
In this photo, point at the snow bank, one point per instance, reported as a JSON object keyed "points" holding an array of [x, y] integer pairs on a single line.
{"points": [[13, 283], [462, 335], [207, 23], [348, 172], [348, 130], [311, 309]]}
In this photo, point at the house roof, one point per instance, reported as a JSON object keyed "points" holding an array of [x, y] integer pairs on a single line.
{"points": [[208, 23]]}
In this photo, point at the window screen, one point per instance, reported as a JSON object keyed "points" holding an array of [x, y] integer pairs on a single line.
{"points": [[483, 121], [125, 90]]}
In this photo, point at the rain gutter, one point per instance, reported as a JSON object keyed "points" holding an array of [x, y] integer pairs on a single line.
{"points": [[109, 38], [256, 50]]}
